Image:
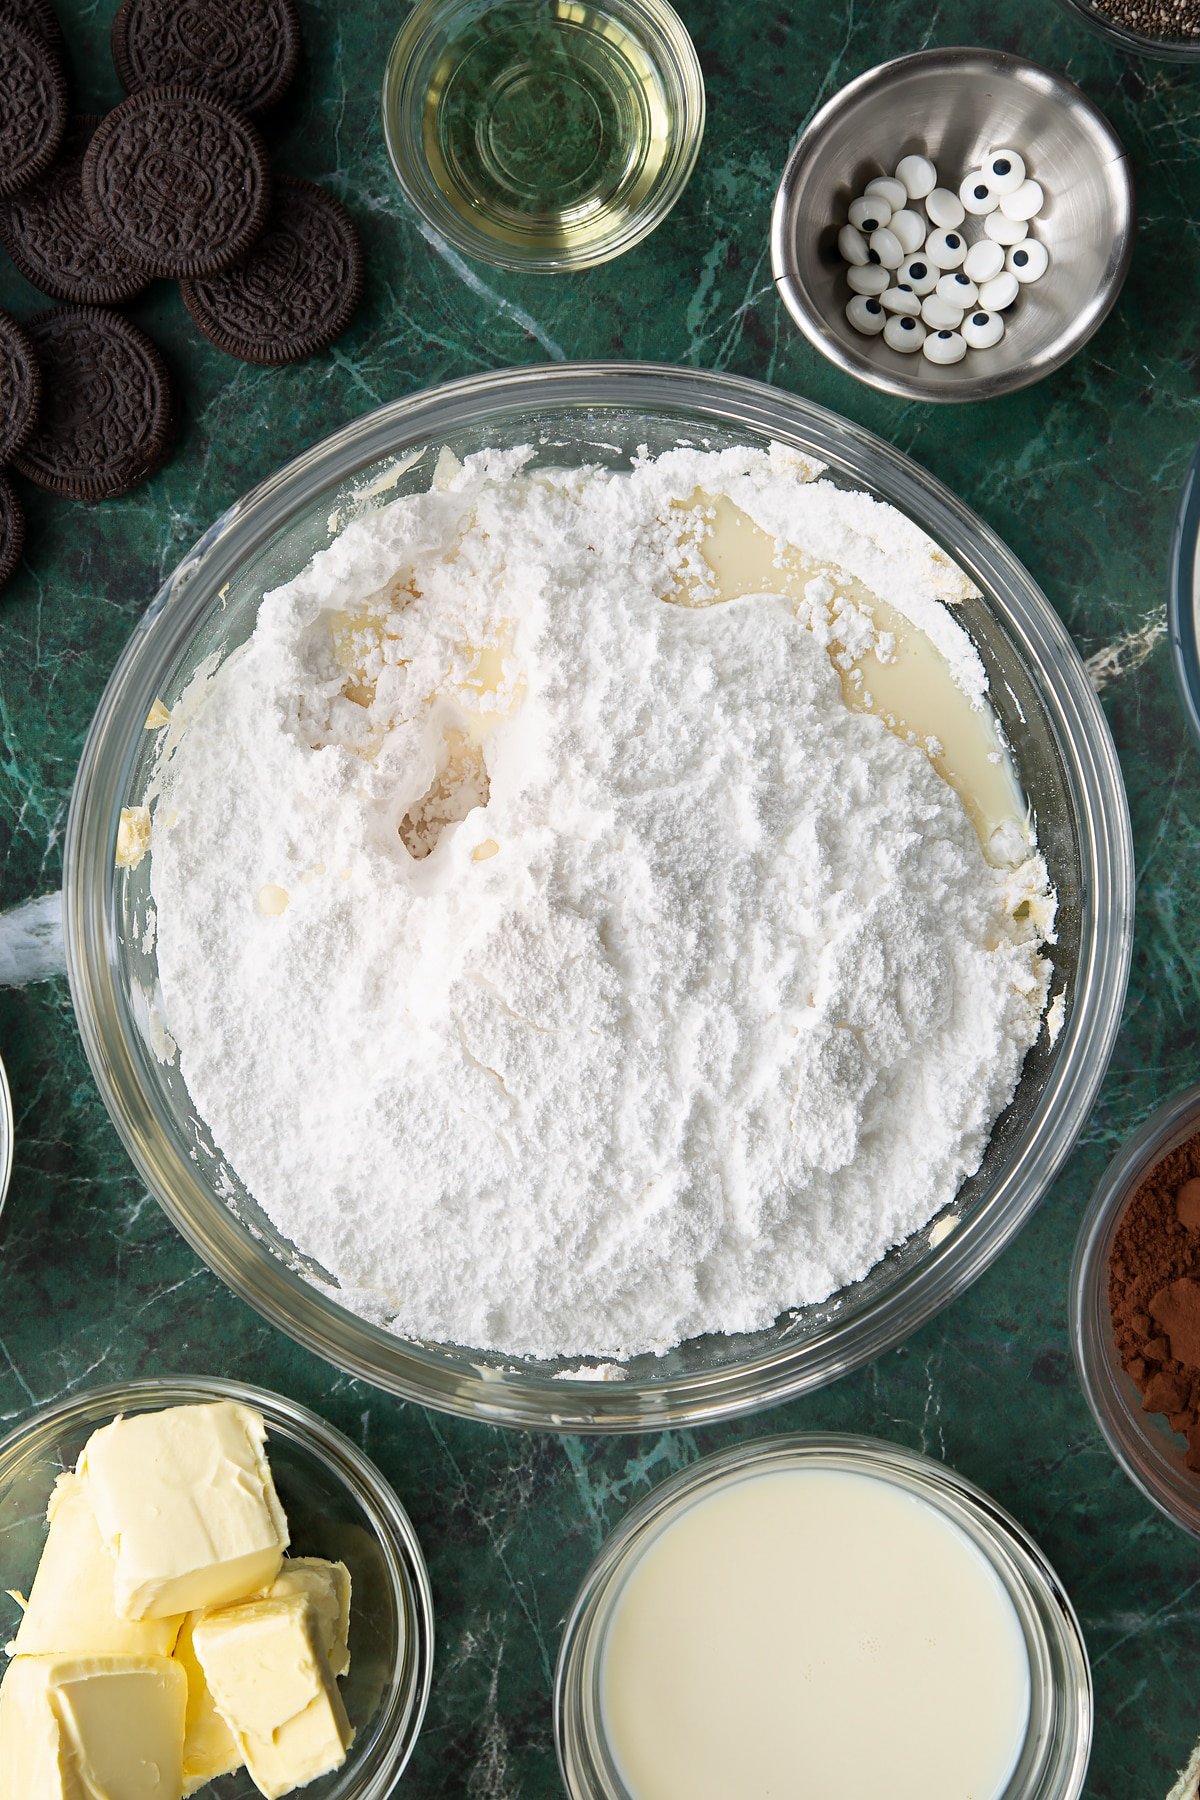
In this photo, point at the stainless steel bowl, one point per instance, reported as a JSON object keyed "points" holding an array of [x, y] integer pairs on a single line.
{"points": [[954, 106], [597, 413]]}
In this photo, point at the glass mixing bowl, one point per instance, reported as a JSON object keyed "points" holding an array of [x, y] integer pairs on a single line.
{"points": [[338, 1506], [598, 413]]}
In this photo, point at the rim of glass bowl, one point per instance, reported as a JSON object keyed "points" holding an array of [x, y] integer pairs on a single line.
{"points": [[7, 1136], [1135, 43], [1146, 1449], [400, 1726], [1058, 1741], [403, 103], [453, 1382], [1183, 597]]}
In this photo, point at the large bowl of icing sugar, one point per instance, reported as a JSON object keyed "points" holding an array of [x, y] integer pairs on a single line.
{"points": [[1049, 748]]}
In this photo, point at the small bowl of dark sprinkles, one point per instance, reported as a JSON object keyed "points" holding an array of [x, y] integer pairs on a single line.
{"points": [[1168, 29]]}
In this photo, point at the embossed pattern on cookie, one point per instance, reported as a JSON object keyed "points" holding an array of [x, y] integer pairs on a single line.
{"points": [[178, 182], [106, 420], [12, 530], [295, 292], [37, 17], [33, 104], [20, 388], [48, 232], [243, 51]]}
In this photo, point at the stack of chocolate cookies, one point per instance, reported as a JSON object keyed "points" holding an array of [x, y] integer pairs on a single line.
{"points": [[175, 183]]}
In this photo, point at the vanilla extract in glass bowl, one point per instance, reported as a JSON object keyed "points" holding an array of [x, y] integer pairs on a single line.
{"points": [[543, 134]]}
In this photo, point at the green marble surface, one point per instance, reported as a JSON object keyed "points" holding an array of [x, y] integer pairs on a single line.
{"points": [[1079, 474]]}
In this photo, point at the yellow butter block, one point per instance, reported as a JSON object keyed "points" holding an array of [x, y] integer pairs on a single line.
{"points": [[185, 1501], [326, 1587], [268, 1673], [209, 1747], [92, 1728], [72, 1606]]}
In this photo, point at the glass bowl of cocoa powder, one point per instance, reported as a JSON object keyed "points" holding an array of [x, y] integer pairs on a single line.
{"points": [[1135, 1308]]}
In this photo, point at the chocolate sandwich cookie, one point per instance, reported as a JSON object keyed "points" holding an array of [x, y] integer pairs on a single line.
{"points": [[177, 182], [33, 104], [106, 419], [49, 234], [242, 51], [37, 17], [297, 289], [12, 530], [20, 388]]}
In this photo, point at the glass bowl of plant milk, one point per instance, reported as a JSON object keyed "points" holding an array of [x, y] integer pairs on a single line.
{"points": [[824, 1615]]}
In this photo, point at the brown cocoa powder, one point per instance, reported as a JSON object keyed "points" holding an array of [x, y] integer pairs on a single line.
{"points": [[1154, 1291]]}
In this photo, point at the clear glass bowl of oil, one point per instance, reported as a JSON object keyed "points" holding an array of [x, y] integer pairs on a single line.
{"points": [[543, 134]]}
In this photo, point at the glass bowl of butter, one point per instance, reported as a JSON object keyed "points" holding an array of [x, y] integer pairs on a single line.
{"points": [[209, 1590], [1049, 769]]}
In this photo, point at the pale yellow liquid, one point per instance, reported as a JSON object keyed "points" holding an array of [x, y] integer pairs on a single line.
{"points": [[813, 1635], [914, 692], [546, 124]]}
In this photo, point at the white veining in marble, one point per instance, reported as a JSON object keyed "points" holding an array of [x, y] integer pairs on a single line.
{"points": [[31, 941]]}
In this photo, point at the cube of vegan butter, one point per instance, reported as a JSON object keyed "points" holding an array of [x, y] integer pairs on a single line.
{"points": [[272, 1683], [72, 1608], [326, 1587], [185, 1501], [209, 1747], [92, 1728]]}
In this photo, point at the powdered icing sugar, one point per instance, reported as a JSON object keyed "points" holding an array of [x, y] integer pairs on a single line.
{"points": [[566, 972]]}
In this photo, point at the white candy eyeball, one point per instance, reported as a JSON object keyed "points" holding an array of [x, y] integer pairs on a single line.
{"points": [[918, 175], [1025, 202], [870, 213], [920, 273], [1003, 230], [1004, 171], [999, 292], [944, 208], [944, 347], [1028, 261], [904, 333], [894, 192], [981, 330], [885, 246], [977, 196], [909, 227], [866, 315], [853, 246], [948, 249], [957, 289], [940, 315], [984, 260], [872, 279], [901, 300]]}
